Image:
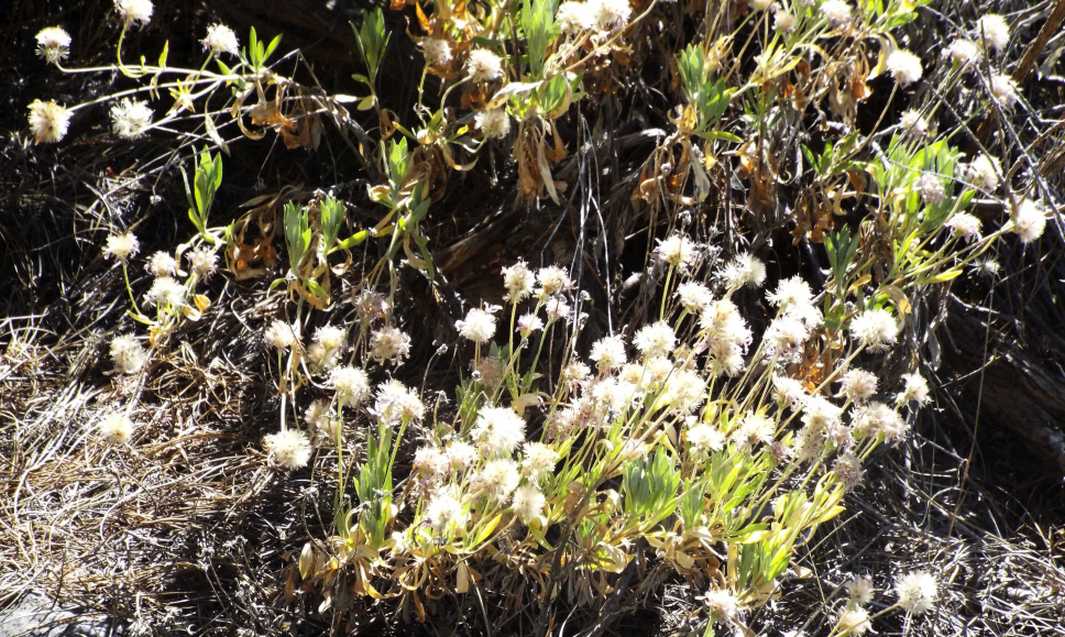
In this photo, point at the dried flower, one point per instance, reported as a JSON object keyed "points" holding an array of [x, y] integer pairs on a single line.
{"points": [[221, 39], [128, 354], [484, 65], [48, 121], [1029, 221], [122, 246], [53, 44], [115, 428], [130, 118], [904, 66], [437, 51], [917, 592], [860, 589], [131, 11], [494, 123], [479, 325], [289, 449]]}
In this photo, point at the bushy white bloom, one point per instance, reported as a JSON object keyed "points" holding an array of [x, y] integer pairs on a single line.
{"points": [[993, 29], [115, 428], [130, 118], [479, 325], [202, 261], [964, 225], [904, 66], [497, 479], [760, 5], [615, 394], [48, 121], [656, 339], [608, 353], [372, 306], [165, 291], [556, 308], [130, 11], [875, 329], [877, 419], [857, 385], [437, 51], [704, 438], [330, 337], [494, 123], [122, 246], [279, 335], [676, 251], [913, 122], [930, 187], [320, 419], [221, 39], [162, 264], [53, 44], [498, 430], [694, 297], [1029, 221], [684, 392], [789, 391], [460, 455], [784, 21], [914, 389], [430, 461], [744, 270], [1004, 90], [609, 14], [553, 280], [854, 621], [722, 603], [529, 323], [754, 428], [445, 511], [785, 338], [860, 589], [389, 345], [984, 171], [539, 460], [820, 414], [917, 592], [727, 336], [290, 448], [574, 373], [127, 354], [396, 403], [837, 12], [574, 17], [963, 51], [791, 293], [352, 385], [518, 281], [528, 503], [484, 65]]}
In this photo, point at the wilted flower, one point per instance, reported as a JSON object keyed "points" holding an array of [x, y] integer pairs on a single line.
{"points": [[875, 329], [494, 123], [48, 121], [904, 66], [677, 251], [1029, 221], [53, 44], [917, 592], [498, 430], [837, 12], [352, 385], [1004, 90], [528, 503], [994, 29], [396, 402], [162, 264], [131, 11], [389, 345], [115, 427], [130, 118], [279, 335], [479, 325], [437, 51], [122, 246], [484, 65], [221, 39], [290, 448], [127, 354]]}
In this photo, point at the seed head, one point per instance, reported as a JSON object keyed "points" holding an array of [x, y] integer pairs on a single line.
{"points": [[48, 121]]}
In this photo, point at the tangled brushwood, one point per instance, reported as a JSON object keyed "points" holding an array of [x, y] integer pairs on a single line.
{"points": [[724, 334]]}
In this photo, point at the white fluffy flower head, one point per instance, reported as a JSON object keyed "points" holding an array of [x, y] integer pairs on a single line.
{"points": [[162, 264], [993, 28], [676, 251], [875, 329], [398, 403], [608, 353], [445, 511], [964, 225], [48, 121], [744, 270], [1004, 90], [913, 122], [389, 345], [904, 66], [203, 261], [289, 449], [479, 325], [528, 503], [984, 171], [1030, 221], [518, 280], [279, 335], [351, 384], [609, 15], [498, 430], [53, 44], [694, 296], [130, 11], [130, 118], [127, 353], [963, 51], [122, 246], [917, 592], [165, 291], [655, 340], [784, 21], [437, 51], [857, 385], [115, 428], [221, 39], [837, 12], [575, 17], [914, 390], [484, 65]]}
